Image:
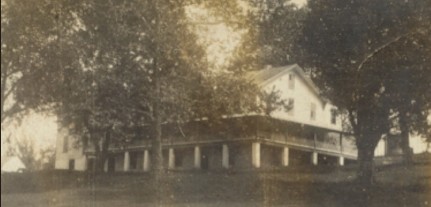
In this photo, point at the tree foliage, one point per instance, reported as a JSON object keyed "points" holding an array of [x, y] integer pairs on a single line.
{"points": [[270, 32], [357, 48], [106, 67], [34, 156]]}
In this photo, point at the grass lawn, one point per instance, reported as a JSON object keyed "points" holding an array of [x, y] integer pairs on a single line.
{"points": [[397, 185]]}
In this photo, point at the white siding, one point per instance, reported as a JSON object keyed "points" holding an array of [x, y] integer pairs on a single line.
{"points": [[380, 148], [303, 97], [62, 158]]}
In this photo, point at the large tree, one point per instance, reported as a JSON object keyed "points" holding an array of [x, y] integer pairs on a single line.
{"points": [[109, 66], [114, 65], [344, 42], [271, 29], [408, 86], [17, 48]]}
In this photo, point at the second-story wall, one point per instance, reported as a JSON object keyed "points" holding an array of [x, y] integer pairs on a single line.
{"points": [[68, 154], [293, 86]]}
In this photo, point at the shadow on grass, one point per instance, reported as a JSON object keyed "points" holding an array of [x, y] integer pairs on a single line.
{"points": [[264, 189], [305, 186], [42, 181]]}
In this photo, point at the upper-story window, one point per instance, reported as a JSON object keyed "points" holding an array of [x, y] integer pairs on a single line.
{"points": [[291, 106], [291, 81], [65, 144], [313, 111], [333, 116]]}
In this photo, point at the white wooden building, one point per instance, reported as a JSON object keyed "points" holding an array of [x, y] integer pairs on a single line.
{"points": [[310, 133]]}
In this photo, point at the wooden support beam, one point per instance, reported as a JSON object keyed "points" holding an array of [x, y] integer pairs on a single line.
{"points": [[126, 161], [255, 154], [198, 157], [225, 156], [146, 165], [171, 159], [285, 157]]}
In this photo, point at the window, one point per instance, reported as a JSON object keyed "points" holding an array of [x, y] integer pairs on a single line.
{"points": [[291, 106], [111, 164], [291, 81], [72, 164], [65, 144], [333, 116], [313, 111]]}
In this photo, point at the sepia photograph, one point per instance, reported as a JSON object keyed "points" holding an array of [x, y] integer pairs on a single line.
{"points": [[190, 103]]}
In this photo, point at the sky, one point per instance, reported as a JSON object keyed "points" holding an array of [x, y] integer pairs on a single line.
{"points": [[38, 127], [299, 2]]}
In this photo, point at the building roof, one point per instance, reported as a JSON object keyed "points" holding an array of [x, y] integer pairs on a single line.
{"points": [[265, 76]]}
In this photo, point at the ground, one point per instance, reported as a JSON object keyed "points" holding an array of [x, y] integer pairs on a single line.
{"points": [[397, 185]]}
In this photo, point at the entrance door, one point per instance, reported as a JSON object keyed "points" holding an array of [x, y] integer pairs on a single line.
{"points": [[204, 162], [72, 164], [111, 164], [90, 164]]}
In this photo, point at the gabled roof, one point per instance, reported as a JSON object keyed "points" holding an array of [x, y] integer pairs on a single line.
{"points": [[267, 75], [263, 76]]}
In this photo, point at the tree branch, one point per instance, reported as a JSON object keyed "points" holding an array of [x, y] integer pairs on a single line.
{"points": [[9, 92], [352, 120], [374, 52], [181, 130], [15, 109], [382, 47]]}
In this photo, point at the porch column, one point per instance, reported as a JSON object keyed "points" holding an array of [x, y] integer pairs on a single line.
{"points": [[285, 156], [255, 154], [314, 159], [341, 161], [126, 161], [146, 164], [225, 156], [171, 159], [197, 157], [105, 165]]}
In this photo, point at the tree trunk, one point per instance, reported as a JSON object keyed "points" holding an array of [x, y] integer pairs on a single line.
{"points": [[365, 172], [101, 151], [405, 142], [96, 168], [366, 146], [156, 154], [428, 146], [104, 152]]}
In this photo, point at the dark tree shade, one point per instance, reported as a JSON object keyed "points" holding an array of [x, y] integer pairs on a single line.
{"points": [[349, 44]]}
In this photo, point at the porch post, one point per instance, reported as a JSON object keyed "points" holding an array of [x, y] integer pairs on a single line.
{"points": [[105, 165], [314, 158], [146, 165], [285, 157], [255, 154], [126, 161], [341, 161], [197, 157], [225, 156], [171, 159]]}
